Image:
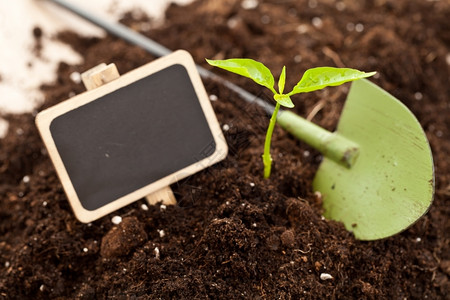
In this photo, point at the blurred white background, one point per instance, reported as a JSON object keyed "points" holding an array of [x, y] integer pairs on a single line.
{"points": [[21, 71]]}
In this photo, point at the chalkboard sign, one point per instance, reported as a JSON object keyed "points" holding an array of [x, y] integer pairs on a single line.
{"points": [[133, 136]]}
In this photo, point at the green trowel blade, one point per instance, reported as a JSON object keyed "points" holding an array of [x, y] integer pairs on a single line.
{"points": [[391, 185]]}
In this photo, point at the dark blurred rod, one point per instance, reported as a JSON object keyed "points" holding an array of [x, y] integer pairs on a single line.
{"points": [[158, 50]]}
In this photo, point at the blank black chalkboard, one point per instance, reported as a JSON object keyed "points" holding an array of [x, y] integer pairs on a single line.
{"points": [[141, 132]]}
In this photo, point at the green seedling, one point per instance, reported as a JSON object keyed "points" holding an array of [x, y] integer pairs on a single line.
{"points": [[377, 173], [312, 80]]}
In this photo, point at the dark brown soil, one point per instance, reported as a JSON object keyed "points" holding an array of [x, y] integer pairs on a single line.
{"points": [[233, 234]]}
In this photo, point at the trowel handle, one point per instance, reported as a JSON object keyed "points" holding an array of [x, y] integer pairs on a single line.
{"points": [[331, 145]]}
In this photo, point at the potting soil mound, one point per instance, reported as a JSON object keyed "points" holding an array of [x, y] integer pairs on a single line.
{"points": [[234, 235]]}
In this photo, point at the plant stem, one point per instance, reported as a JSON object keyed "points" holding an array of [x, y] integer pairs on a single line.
{"points": [[267, 159]]}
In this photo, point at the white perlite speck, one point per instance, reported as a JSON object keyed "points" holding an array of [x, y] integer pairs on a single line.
{"points": [[359, 27], [213, 98], [350, 26], [325, 276], [26, 179], [75, 77], [302, 28], [116, 220], [144, 207], [340, 6], [312, 3], [85, 250], [418, 96], [156, 251], [317, 22], [232, 23], [249, 4], [161, 233]]}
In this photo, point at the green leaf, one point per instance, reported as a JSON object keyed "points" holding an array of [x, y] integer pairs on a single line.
{"points": [[249, 68], [318, 78], [284, 100], [282, 80]]}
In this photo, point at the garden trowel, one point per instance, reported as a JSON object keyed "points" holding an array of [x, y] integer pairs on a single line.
{"points": [[377, 174]]}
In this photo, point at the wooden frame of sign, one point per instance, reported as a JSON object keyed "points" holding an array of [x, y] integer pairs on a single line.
{"points": [[131, 137]]}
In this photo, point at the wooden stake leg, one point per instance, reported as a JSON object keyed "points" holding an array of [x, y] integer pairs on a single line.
{"points": [[164, 195], [99, 75]]}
